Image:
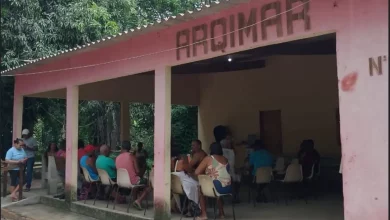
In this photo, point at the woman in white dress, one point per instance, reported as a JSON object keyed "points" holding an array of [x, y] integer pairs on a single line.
{"points": [[190, 185]]}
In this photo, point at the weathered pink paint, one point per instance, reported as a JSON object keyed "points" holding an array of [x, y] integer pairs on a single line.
{"points": [[72, 129], [361, 27], [162, 143]]}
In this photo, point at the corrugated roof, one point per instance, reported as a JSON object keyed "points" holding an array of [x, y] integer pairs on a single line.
{"points": [[158, 25]]}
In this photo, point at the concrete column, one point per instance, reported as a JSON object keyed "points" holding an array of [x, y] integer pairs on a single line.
{"points": [[362, 68], [72, 128], [125, 121], [18, 116], [162, 143]]}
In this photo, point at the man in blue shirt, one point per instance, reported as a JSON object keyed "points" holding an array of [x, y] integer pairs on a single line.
{"points": [[260, 157]]}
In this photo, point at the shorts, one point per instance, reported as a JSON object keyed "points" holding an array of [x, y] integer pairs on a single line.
{"points": [[141, 181], [222, 190], [14, 174]]}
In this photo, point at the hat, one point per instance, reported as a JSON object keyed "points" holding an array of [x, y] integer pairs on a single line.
{"points": [[25, 132], [89, 148]]}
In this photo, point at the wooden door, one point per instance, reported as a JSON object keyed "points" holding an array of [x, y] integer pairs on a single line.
{"points": [[271, 131]]}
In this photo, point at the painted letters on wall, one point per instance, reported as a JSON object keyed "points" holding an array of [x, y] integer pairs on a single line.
{"points": [[220, 33]]}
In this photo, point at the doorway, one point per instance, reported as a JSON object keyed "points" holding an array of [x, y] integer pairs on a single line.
{"points": [[271, 130]]}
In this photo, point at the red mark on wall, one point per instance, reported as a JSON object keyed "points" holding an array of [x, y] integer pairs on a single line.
{"points": [[348, 82]]}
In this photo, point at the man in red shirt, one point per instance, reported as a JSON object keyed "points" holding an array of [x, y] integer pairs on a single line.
{"points": [[128, 161]]}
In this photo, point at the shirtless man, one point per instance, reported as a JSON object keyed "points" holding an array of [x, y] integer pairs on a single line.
{"points": [[197, 155]]}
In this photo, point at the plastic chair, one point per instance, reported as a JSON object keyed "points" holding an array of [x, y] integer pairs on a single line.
{"points": [[293, 177], [208, 190], [263, 177], [123, 181], [295, 161], [293, 174], [88, 179], [106, 181], [177, 188], [279, 166]]}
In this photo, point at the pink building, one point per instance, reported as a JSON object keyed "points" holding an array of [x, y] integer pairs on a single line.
{"points": [[110, 69]]}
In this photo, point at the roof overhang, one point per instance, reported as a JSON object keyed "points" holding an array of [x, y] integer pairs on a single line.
{"points": [[125, 35]]}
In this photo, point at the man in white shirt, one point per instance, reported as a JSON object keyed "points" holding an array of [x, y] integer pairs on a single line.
{"points": [[30, 148]]}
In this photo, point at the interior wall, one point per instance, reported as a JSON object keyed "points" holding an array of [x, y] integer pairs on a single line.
{"points": [[304, 88]]}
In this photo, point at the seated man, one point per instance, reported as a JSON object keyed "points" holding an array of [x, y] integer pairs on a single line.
{"points": [[308, 156], [88, 162], [260, 157], [128, 161], [106, 163], [197, 155]]}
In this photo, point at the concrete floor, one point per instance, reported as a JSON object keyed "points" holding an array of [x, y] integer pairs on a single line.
{"points": [[43, 212], [325, 208]]}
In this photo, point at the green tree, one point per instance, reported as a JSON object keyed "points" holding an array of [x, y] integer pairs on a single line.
{"points": [[36, 28]]}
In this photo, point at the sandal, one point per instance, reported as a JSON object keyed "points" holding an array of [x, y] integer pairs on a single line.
{"points": [[137, 206], [189, 215]]}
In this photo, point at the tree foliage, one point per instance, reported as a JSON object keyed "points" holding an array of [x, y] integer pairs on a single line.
{"points": [[36, 28]]}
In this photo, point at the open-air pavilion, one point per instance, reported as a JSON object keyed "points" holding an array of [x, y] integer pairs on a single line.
{"points": [[181, 61]]}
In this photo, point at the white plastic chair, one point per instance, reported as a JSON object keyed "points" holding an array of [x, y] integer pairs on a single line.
{"points": [[293, 174], [208, 190], [123, 181], [263, 176], [88, 179], [293, 177], [295, 161], [106, 181], [279, 166], [177, 188], [311, 173]]}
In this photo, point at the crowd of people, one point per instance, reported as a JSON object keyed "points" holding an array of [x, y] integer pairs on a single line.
{"points": [[219, 165]]}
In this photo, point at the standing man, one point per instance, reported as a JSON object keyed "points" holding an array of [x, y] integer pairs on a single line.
{"points": [[30, 148]]}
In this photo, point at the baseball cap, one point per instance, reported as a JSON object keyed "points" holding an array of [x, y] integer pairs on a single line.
{"points": [[25, 132], [89, 148]]}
